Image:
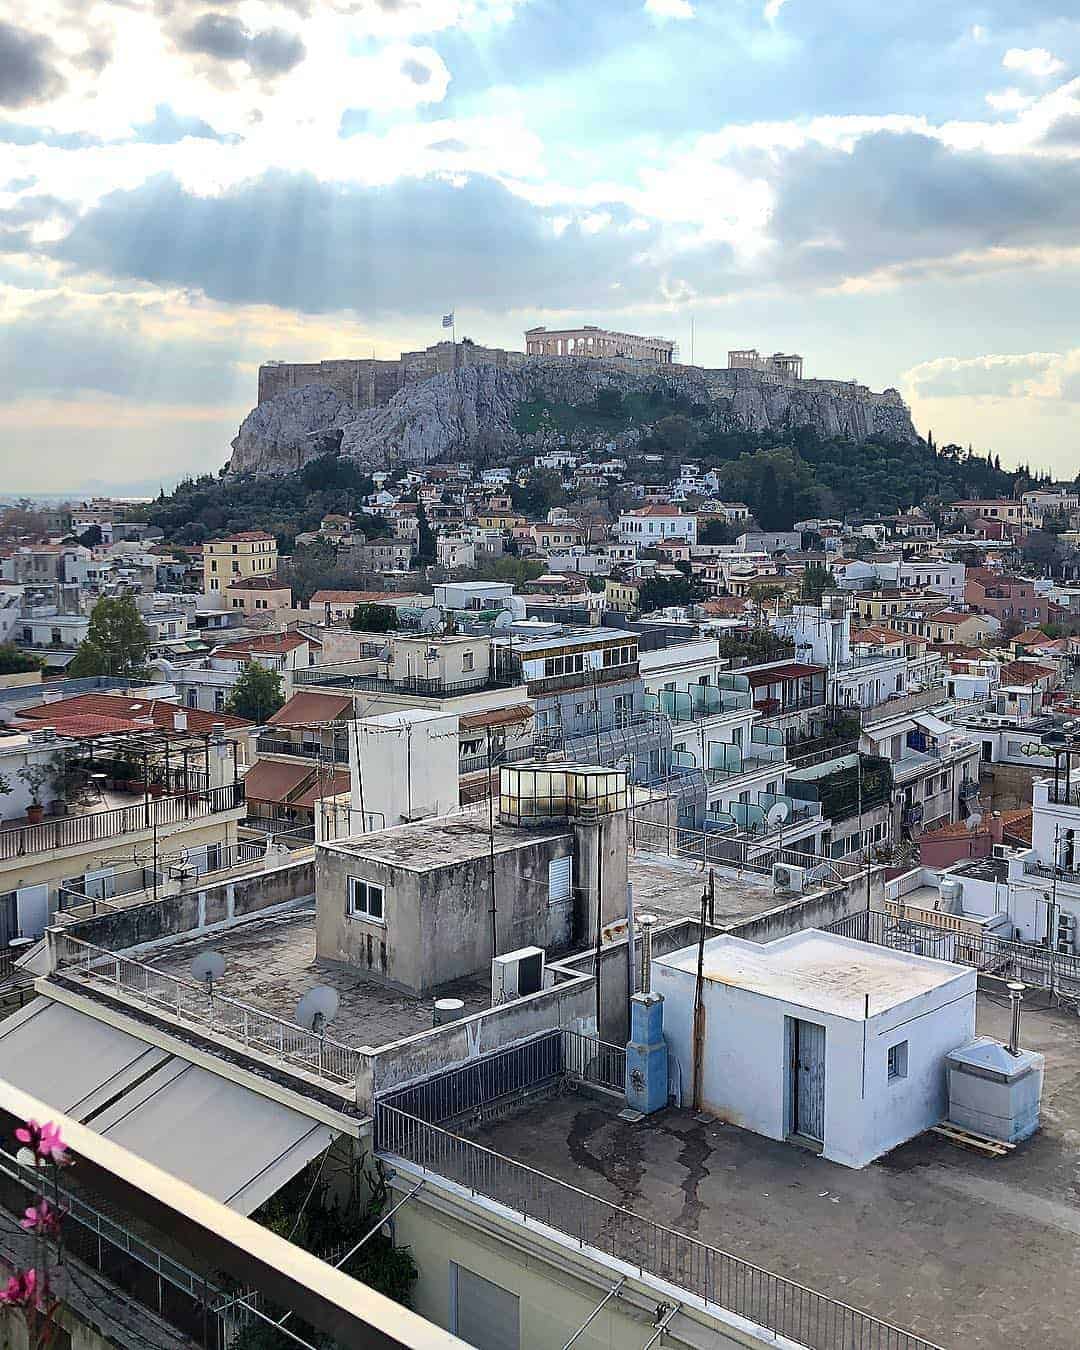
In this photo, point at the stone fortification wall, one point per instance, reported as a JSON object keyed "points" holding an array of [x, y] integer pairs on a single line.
{"points": [[368, 383]]}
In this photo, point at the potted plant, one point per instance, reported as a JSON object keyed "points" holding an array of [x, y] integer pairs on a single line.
{"points": [[34, 776], [68, 781]]}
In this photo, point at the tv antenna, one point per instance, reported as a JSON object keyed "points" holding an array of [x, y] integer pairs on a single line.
{"points": [[208, 967], [318, 1008]]}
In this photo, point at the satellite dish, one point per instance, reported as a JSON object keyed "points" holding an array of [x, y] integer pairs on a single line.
{"points": [[974, 820], [208, 967], [779, 813], [386, 654], [317, 1008], [504, 621], [431, 619]]}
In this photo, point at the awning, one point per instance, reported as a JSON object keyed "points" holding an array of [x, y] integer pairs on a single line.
{"points": [[322, 785], [304, 708], [793, 670], [220, 1136], [497, 717], [935, 726], [272, 780]]}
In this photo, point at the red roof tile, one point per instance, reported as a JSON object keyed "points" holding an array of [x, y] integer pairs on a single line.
{"points": [[130, 712]]}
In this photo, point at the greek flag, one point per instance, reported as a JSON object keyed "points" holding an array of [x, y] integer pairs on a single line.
{"points": [[448, 320]]}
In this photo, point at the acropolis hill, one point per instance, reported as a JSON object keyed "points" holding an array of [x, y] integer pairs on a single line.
{"points": [[457, 398]]}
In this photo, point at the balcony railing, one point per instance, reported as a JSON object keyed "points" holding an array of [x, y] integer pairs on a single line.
{"points": [[425, 687], [477, 763], [338, 753], [1062, 794], [579, 679], [96, 826], [191, 1005]]}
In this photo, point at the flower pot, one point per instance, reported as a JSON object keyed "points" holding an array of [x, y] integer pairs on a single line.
{"points": [[34, 813]]}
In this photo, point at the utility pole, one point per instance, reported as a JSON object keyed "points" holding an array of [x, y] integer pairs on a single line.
{"points": [[699, 1006]]}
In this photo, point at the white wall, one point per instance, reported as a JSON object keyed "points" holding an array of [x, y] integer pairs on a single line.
{"points": [[410, 765], [746, 1078]]}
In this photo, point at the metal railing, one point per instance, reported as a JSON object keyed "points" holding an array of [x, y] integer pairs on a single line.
{"points": [[288, 832], [193, 1006], [338, 753], [1062, 794], [72, 831], [1036, 965], [770, 1301], [727, 850], [176, 1293], [578, 679], [433, 687], [587, 1059], [512, 755]]}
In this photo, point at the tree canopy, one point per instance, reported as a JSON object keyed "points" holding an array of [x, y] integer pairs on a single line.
{"points": [[373, 619], [116, 641], [257, 694]]}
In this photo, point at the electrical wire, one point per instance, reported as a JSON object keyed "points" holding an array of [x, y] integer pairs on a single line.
{"points": [[314, 1184]]}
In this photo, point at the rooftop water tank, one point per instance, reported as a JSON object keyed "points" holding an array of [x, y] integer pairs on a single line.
{"points": [[950, 892], [994, 1091]]}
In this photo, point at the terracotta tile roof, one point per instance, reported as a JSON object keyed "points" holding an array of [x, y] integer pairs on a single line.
{"points": [[259, 584], [877, 636], [302, 709], [350, 598], [270, 644], [1017, 825], [243, 537], [655, 510], [131, 712], [1023, 672], [794, 670]]}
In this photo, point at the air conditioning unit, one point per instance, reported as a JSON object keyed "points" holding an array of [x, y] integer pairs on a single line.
{"points": [[1001, 850], [788, 878], [517, 974]]}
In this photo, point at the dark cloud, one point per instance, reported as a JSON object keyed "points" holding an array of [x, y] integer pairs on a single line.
{"points": [[27, 74], [292, 241], [224, 38], [168, 127], [50, 349], [1064, 132], [415, 70], [897, 198]]}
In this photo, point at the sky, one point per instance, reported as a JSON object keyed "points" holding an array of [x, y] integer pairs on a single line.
{"points": [[191, 187]]}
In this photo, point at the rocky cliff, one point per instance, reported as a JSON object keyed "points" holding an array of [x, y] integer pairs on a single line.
{"points": [[478, 408]]}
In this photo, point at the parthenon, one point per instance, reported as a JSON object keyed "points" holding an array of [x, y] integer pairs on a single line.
{"points": [[592, 341]]}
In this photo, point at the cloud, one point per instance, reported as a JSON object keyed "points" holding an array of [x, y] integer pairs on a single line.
{"points": [[415, 70], [168, 127], [1036, 62], [18, 133], [981, 376], [27, 74], [1064, 132], [292, 241], [669, 9], [273, 51], [772, 9]]}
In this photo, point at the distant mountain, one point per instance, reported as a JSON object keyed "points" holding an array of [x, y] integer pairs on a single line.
{"points": [[546, 402]]}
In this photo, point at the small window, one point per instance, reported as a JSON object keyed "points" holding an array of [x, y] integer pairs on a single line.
{"points": [[466, 661], [365, 899], [898, 1060]]}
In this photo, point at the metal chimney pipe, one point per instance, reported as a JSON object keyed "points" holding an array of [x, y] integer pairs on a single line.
{"points": [[1016, 998], [646, 921]]}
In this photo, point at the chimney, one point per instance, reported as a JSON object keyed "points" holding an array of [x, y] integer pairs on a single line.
{"points": [[646, 922], [1016, 998], [997, 828]]}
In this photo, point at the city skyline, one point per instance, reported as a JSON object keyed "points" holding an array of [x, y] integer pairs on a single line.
{"points": [[191, 191]]}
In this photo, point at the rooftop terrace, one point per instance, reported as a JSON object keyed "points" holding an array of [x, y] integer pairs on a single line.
{"points": [[966, 1251]]}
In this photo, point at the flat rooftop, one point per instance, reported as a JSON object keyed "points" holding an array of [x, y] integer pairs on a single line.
{"points": [[270, 963], [972, 1253], [823, 971], [671, 888], [430, 844]]}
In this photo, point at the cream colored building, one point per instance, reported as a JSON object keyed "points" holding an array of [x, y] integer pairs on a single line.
{"points": [[251, 553]]}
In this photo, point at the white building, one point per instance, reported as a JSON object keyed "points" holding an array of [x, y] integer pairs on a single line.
{"points": [[819, 1038], [647, 526]]}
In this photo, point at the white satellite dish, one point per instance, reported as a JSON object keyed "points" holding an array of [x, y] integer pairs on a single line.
{"points": [[208, 967], [431, 619], [974, 820], [386, 654], [504, 621], [317, 1008], [778, 813]]}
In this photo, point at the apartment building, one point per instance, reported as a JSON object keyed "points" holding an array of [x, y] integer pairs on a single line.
{"points": [[250, 553]]}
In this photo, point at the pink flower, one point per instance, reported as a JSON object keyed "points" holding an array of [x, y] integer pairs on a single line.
{"points": [[43, 1141], [41, 1218], [22, 1290]]}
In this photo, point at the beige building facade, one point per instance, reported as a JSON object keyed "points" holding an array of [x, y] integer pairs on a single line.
{"points": [[251, 553]]}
